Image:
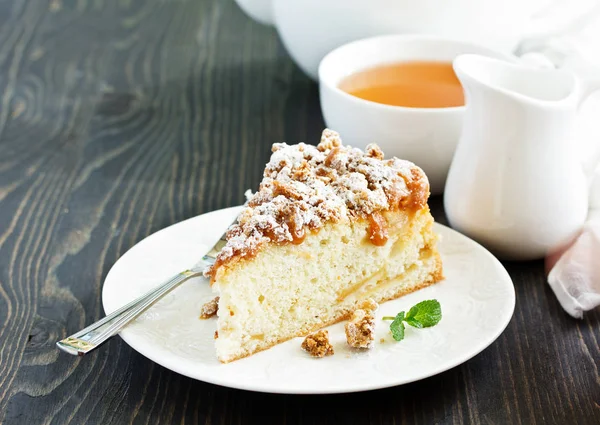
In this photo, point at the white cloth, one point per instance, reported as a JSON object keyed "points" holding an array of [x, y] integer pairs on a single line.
{"points": [[574, 274]]}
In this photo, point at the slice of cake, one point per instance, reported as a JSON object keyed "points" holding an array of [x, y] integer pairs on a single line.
{"points": [[329, 227]]}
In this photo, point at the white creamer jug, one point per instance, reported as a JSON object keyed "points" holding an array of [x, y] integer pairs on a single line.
{"points": [[516, 183]]}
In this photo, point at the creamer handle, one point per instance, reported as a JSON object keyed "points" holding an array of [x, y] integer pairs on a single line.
{"points": [[587, 73], [588, 86], [259, 10]]}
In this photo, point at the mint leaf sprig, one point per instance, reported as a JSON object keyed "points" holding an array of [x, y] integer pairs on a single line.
{"points": [[422, 315]]}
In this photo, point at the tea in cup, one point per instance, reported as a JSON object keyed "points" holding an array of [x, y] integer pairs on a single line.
{"points": [[412, 84]]}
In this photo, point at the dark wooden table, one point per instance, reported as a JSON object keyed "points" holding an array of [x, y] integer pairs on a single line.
{"points": [[119, 118]]}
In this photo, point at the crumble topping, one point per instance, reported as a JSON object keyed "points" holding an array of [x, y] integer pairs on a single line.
{"points": [[317, 344], [306, 186], [360, 329], [210, 308]]}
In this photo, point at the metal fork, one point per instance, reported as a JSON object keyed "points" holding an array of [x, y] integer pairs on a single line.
{"points": [[93, 336]]}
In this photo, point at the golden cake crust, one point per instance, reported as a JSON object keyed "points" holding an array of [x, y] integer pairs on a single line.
{"points": [[305, 186]]}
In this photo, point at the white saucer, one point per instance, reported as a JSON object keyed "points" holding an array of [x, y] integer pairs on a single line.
{"points": [[477, 299]]}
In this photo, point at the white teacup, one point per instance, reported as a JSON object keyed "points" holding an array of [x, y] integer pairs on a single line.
{"points": [[426, 136]]}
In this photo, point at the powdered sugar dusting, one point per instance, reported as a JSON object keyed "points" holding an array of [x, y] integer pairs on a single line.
{"points": [[306, 186]]}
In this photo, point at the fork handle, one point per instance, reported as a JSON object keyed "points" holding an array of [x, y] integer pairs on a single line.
{"points": [[91, 337]]}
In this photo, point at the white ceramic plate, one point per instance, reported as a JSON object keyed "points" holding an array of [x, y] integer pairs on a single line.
{"points": [[477, 299]]}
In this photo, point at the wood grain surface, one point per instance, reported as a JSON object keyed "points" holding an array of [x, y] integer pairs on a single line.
{"points": [[118, 118]]}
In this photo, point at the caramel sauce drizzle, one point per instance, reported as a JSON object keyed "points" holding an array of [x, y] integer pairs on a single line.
{"points": [[378, 231]]}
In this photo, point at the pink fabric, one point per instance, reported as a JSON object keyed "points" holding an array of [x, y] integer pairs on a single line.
{"points": [[575, 272]]}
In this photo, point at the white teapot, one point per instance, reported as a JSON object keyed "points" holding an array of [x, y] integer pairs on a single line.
{"points": [[309, 29]]}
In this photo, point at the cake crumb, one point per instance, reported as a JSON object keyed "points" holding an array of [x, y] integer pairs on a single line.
{"points": [[369, 304], [216, 334], [210, 308], [382, 340], [317, 344], [360, 329]]}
